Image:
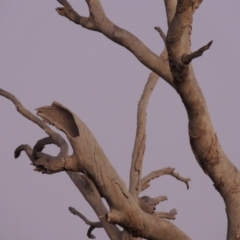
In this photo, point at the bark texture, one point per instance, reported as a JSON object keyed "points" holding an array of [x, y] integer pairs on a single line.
{"points": [[89, 168]]}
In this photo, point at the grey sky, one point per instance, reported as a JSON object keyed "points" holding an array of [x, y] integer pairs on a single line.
{"points": [[45, 57]]}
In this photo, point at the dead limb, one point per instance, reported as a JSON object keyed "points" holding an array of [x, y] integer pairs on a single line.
{"points": [[83, 183], [187, 58], [98, 21], [203, 140], [167, 215], [140, 139], [161, 33], [165, 171], [92, 225], [91, 159]]}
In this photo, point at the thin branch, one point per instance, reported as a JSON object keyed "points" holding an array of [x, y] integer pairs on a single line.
{"points": [[27, 114], [140, 139], [167, 215], [154, 201], [92, 225], [84, 184], [98, 21], [161, 33], [68, 12], [170, 6], [187, 58], [165, 171], [26, 148]]}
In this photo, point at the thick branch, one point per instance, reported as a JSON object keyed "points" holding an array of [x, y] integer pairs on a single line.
{"points": [[140, 139], [165, 171], [84, 184], [203, 140], [170, 6], [90, 158]]}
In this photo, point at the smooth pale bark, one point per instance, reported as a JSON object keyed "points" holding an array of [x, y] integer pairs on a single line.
{"points": [[89, 158], [140, 140], [174, 66], [203, 139], [84, 184]]}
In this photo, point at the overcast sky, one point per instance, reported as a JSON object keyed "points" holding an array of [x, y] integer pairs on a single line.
{"points": [[46, 58]]}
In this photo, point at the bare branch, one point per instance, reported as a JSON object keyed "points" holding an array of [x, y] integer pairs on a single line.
{"points": [[92, 225], [203, 140], [170, 6], [90, 158], [161, 33], [68, 12], [165, 171], [26, 148], [140, 139], [148, 204], [167, 215], [154, 201], [23, 111], [84, 184], [187, 58], [98, 21]]}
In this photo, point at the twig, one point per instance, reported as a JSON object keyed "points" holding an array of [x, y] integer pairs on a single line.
{"points": [[167, 215], [68, 12], [83, 183], [98, 21], [165, 171], [92, 225], [161, 33], [187, 58]]}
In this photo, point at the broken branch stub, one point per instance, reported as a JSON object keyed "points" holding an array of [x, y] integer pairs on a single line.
{"points": [[187, 58], [88, 157]]}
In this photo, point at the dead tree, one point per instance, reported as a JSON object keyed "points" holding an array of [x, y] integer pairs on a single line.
{"points": [[89, 168]]}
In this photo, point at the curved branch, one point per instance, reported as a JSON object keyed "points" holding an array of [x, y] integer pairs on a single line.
{"points": [[100, 23], [84, 184], [203, 140], [91, 160], [92, 225], [158, 173]]}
